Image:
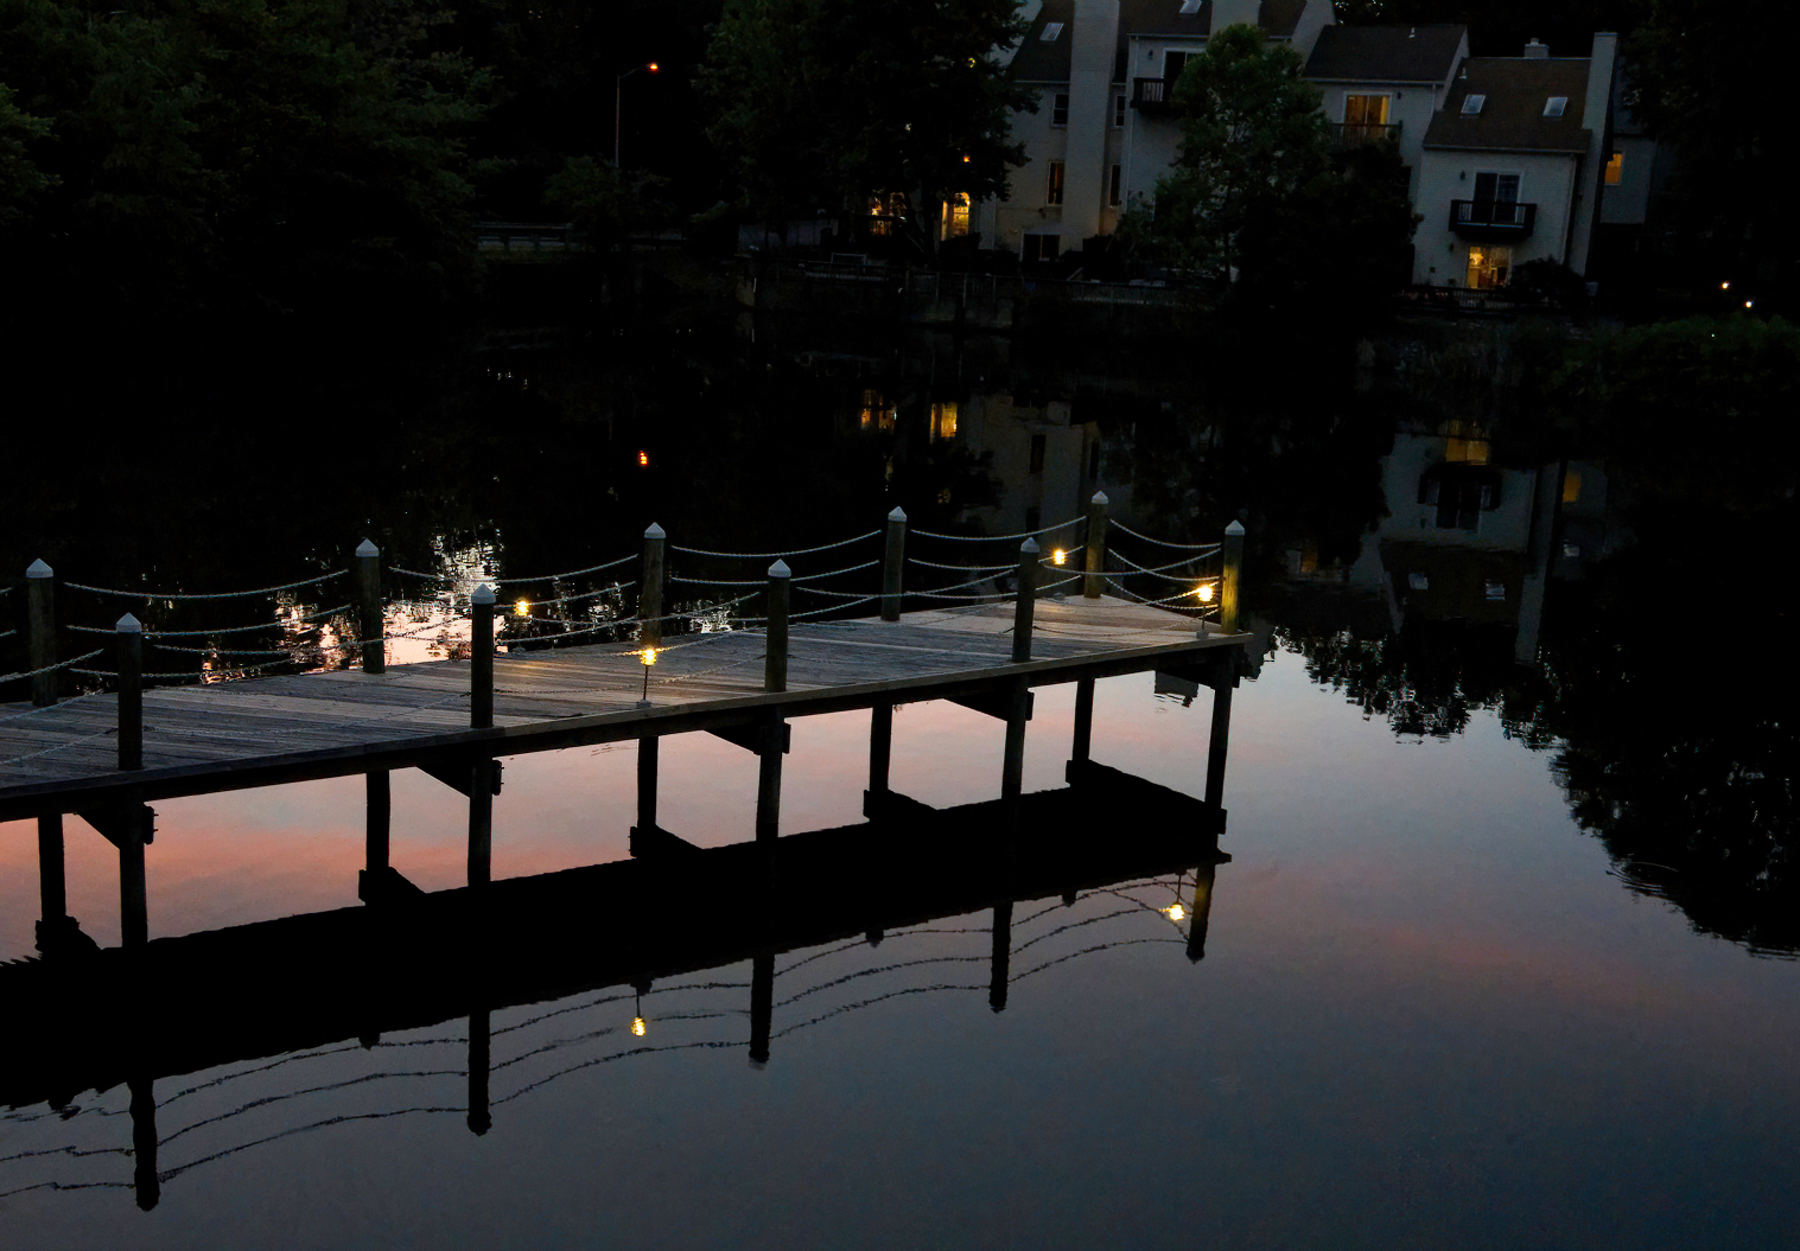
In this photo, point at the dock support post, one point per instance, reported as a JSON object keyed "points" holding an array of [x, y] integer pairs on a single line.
{"points": [[481, 658], [1000, 968], [40, 624], [481, 822], [762, 1007], [1204, 878], [881, 747], [1231, 565], [144, 1176], [1084, 719], [768, 783], [893, 561], [134, 910], [370, 623], [52, 882], [481, 1046], [1012, 773], [1221, 729], [130, 638], [379, 794], [647, 752], [1094, 580], [1026, 602], [650, 589], [775, 650]]}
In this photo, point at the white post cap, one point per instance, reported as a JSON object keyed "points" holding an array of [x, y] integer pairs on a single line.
{"points": [[129, 624], [899, 514], [484, 594], [1235, 530], [367, 548], [1100, 499], [38, 569], [780, 570], [655, 532], [1029, 547]]}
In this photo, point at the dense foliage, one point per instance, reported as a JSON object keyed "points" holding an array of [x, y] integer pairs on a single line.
{"points": [[819, 104]]}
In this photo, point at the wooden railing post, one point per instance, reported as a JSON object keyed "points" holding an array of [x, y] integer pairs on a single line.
{"points": [[775, 661], [1094, 583], [893, 561], [1026, 601], [371, 620], [130, 652], [40, 611], [1232, 551], [650, 589], [481, 658]]}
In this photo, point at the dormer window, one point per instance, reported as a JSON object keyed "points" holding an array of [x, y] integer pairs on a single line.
{"points": [[1472, 105], [1554, 106], [1051, 31]]}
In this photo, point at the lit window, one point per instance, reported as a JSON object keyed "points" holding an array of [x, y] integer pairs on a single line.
{"points": [[1571, 487], [876, 412], [1054, 192], [1615, 169], [1113, 188], [1059, 109], [943, 420], [1489, 266], [1051, 31], [1464, 444], [956, 216], [1554, 106], [1472, 105]]}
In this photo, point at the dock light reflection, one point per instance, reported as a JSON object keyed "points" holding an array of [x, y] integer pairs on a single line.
{"points": [[637, 1026], [1175, 912]]}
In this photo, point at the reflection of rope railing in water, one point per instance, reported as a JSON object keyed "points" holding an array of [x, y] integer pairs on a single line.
{"points": [[561, 1044]]}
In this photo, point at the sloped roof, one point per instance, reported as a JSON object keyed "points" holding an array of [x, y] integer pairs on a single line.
{"points": [[1277, 18], [1512, 119], [1385, 54], [1046, 61]]}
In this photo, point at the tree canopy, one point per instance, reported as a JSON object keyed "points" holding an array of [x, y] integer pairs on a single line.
{"points": [[816, 104], [1258, 193]]}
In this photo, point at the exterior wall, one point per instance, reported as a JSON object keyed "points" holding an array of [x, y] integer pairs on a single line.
{"points": [[1596, 107], [1627, 202], [1090, 107], [1440, 256], [1026, 210]]}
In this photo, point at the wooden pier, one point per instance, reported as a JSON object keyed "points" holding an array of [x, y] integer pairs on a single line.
{"points": [[106, 755]]}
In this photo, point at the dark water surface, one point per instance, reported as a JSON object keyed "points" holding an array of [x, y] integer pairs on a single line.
{"points": [[1509, 974]]}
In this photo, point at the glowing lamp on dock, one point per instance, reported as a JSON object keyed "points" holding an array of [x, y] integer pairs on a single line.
{"points": [[1059, 556], [522, 608], [648, 656], [1204, 592], [644, 458]]}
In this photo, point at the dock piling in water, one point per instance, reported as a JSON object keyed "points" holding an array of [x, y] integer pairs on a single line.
{"points": [[775, 652], [650, 588], [1026, 602], [1094, 580], [481, 658], [893, 562], [1231, 565], [370, 620], [40, 615], [130, 645]]}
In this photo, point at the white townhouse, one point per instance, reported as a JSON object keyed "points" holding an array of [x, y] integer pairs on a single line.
{"points": [[1507, 156]]}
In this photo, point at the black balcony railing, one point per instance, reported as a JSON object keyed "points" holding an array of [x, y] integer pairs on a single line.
{"points": [[1351, 134], [1153, 96], [1492, 219]]}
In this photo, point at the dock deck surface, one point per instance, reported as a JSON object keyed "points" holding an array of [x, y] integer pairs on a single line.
{"points": [[227, 735]]}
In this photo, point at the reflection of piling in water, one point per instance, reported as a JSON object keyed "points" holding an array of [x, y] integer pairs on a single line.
{"points": [[145, 1179], [762, 1006], [481, 1117], [1001, 963]]}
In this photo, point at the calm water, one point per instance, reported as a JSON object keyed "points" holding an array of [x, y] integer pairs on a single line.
{"points": [[1435, 1009]]}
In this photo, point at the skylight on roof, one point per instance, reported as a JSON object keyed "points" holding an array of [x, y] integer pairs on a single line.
{"points": [[1554, 106], [1472, 105], [1189, 7], [1051, 31]]}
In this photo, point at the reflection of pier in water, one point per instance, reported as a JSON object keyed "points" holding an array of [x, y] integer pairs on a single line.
{"points": [[278, 987]]}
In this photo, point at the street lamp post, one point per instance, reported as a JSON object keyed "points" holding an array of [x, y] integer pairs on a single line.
{"points": [[619, 100]]}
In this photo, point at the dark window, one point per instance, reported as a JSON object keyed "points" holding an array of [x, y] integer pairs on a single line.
{"points": [[1037, 453], [1034, 517], [1112, 186], [1040, 248], [1173, 64], [1059, 109], [1094, 461]]}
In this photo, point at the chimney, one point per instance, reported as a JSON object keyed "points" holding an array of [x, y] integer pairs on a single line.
{"points": [[1535, 51]]}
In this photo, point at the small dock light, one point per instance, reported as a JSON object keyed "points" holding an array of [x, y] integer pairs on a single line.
{"points": [[1204, 592], [1059, 556], [644, 459], [648, 656], [522, 608]]}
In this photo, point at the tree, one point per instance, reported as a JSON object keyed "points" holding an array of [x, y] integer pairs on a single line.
{"points": [[817, 104], [20, 178], [1257, 194]]}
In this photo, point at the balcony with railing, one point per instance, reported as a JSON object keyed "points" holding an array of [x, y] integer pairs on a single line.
{"points": [[1154, 97], [1492, 220], [1356, 134]]}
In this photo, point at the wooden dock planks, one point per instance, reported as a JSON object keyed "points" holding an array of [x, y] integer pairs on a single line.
{"points": [[219, 736]]}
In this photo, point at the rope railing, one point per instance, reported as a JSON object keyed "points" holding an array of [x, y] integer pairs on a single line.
{"points": [[178, 595], [1119, 525], [504, 580], [1160, 570], [806, 551], [997, 538]]}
